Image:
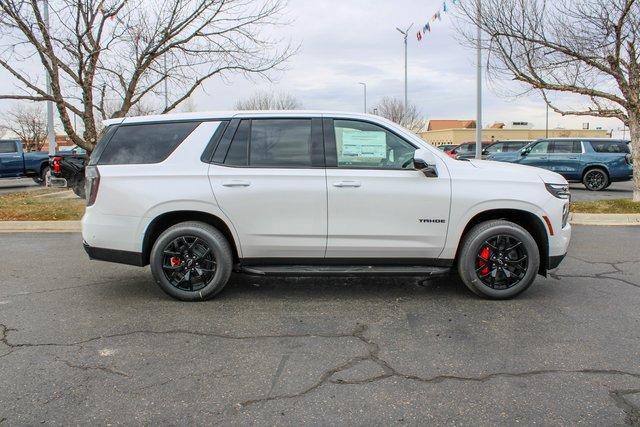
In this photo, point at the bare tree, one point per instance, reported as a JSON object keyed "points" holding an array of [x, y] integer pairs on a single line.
{"points": [[393, 109], [30, 126], [587, 48], [101, 53], [269, 101]]}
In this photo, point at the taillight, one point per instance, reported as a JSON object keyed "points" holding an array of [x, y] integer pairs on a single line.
{"points": [[91, 184], [55, 165]]}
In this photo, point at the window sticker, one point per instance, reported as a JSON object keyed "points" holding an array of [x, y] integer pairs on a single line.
{"points": [[358, 144]]}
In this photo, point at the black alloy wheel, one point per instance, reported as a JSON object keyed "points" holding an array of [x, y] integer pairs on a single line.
{"points": [[502, 262], [596, 180], [188, 263]]}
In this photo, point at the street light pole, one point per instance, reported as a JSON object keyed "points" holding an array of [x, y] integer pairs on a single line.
{"points": [[479, 83], [364, 85], [405, 33], [547, 123], [51, 136]]}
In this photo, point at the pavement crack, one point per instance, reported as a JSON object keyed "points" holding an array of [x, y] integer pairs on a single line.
{"points": [[97, 368], [632, 412], [45, 291], [373, 350]]}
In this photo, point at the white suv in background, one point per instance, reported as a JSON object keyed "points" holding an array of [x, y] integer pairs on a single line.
{"points": [[199, 196]]}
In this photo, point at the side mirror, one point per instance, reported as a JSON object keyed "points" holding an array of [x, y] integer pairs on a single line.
{"points": [[421, 160], [524, 153]]}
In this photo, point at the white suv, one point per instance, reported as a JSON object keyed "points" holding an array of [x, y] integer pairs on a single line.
{"points": [[199, 196]]}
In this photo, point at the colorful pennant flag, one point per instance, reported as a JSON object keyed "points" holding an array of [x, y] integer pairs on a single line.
{"points": [[426, 28], [419, 36], [444, 7]]}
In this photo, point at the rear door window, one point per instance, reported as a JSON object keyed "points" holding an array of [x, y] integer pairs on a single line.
{"points": [[280, 143], [610, 146], [8, 147], [145, 143], [565, 147]]}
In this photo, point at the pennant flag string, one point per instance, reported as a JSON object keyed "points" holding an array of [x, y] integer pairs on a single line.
{"points": [[436, 17]]}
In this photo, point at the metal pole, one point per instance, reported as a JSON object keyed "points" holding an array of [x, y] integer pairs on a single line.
{"points": [[406, 102], [405, 33], [547, 124], [166, 85], [51, 136], [364, 85], [479, 82]]}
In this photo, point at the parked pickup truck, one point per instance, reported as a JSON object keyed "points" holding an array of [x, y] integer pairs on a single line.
{"points": [[69, 163], [15, 163]]}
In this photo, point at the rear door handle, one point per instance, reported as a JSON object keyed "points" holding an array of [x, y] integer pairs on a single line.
{"points": [[236, 183], [342, 184], [573, 158]]}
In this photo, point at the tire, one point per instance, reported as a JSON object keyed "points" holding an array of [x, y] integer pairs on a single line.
{"points": [[42, 178], [595, 179], [78, 189], [473, 270], [215, 267]]}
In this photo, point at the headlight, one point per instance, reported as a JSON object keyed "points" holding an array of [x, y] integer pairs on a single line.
{"points": [[561, 191]]}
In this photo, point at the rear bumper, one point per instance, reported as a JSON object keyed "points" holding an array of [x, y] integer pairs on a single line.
{"points": [[114, 255]]}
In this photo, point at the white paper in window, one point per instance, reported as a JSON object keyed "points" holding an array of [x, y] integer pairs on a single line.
{"points": [[358, 144]]}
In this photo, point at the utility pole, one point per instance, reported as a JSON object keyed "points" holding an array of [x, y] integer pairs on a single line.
{"points": [[51, 136], [364, 85], [479, 82], [405, 33]]}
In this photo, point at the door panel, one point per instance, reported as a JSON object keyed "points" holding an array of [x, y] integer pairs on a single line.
{"points": [[380, 217], [378, 205], [538, 156], [11, 163], [276, 212], [271, 183], [565, 158]]}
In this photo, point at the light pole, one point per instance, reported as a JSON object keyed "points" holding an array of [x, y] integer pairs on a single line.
{"points": [[364, 85], [166, 85], [51, 136], [547, 123], [405, 33], [479, 83]]}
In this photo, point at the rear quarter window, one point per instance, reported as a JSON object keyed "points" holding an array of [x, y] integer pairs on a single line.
{"points": [[144, 143], [610, 146]]}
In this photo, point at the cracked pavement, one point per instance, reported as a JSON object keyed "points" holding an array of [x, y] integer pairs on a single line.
{"points": [[84, 342]]}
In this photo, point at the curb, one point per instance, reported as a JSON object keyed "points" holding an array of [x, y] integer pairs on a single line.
{"points": [[604, 219], [40, 227], [74, 226]]}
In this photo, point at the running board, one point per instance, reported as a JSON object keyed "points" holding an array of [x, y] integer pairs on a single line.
{"points": [[343, 270]]}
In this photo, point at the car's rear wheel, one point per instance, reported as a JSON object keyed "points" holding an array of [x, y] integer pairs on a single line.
{"points": [[595, 180], [498, 259], [191, 261], [44, 178]]}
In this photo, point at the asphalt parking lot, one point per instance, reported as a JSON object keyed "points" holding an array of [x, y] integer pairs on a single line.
{"points": [[617, 190], [83, 341]]}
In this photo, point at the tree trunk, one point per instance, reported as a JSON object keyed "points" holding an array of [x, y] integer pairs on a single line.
{"points": [[634, 127]]}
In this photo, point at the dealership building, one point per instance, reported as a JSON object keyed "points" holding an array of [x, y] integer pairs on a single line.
{"points": [[456, 132]]}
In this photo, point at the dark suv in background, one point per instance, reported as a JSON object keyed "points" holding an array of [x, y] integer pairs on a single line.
{"points": [[594, 162]]}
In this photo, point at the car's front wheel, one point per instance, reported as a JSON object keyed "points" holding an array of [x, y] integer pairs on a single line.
{"points": [[191, 261], [498, 259]]}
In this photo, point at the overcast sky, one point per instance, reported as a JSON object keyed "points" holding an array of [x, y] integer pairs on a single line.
{"points": [[344, 42]]}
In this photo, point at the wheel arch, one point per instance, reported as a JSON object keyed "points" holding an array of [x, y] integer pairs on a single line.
{"points": [[168, 219], [527, 220], [592, 166]]}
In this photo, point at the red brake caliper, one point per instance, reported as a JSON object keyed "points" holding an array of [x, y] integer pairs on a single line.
{"points": [[484, 254], [175, 261]]}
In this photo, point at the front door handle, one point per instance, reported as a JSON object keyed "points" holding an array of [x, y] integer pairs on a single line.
{"points": [[236, 183], [342, 184]]}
